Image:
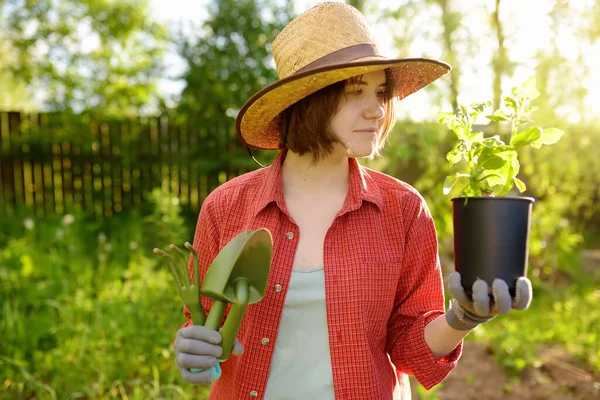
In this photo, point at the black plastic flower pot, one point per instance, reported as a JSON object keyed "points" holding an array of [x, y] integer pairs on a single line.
{"points": [[491, 238]]}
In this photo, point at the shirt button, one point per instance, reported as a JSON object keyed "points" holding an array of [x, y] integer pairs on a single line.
{"points": [[265, 341], [254, 393], [289, 235], [278, 288]]}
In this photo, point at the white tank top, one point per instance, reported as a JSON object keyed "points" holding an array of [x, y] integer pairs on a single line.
{"points": [[301, 364]]}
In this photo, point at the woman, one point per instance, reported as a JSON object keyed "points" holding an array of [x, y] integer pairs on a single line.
{"points": [[355, 299]]}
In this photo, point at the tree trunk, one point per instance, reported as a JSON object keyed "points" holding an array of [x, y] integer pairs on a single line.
{"points": [[499, 61], [451, 22]]}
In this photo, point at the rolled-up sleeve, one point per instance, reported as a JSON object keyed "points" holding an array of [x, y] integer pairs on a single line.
{"points": [[419, 300]]}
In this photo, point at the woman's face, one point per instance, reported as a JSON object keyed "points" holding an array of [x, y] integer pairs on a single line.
{"points": [[359, 119]]}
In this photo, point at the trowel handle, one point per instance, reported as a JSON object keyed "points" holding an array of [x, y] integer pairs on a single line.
{"points": [[234, 318], [215, 315], [213, 321]]}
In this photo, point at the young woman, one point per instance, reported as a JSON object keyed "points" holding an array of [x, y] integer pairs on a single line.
{"points": [[355, 300]]}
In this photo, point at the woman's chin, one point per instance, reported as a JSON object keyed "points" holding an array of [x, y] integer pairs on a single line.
{"points": [[361, 152]]}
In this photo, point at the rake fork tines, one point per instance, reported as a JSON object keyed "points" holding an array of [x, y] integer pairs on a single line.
{"points": [[190, 293]]}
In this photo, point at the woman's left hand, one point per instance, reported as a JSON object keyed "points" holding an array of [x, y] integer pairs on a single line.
{"points": [[465, 313]]}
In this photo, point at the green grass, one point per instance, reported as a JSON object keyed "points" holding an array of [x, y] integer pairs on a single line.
{"points": [[568, 316], [88, 311]]}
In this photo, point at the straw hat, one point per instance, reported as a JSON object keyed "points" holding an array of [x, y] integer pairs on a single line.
{"points": [[329, 43]]}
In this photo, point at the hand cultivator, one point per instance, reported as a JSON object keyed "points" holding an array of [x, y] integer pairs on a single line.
{"points": [[238, 275]]}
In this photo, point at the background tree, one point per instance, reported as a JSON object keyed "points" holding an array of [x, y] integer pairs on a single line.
{"points": [[414, 29], [359, 4], [14, 95], [500, 60], [80, 55], [227, 62], [451, 22]]}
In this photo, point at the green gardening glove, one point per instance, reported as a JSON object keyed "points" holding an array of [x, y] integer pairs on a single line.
{"points": [[465, 313]]}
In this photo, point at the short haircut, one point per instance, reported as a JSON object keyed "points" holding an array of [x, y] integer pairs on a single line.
{"points": [[304, 126]]}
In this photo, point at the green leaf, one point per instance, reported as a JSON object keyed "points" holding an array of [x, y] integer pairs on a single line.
{"points": [[462, 182], [520, 185], [449, 183], [510, 103], [496, 142], [494, 180], [529, 90], [551, 136], [509, 171], [494, 162], [498, 115], [460, 131], [455, 155], [479, 106], [523, 138], [475, 137], [493, 149], [452, 180], [444, 117]]}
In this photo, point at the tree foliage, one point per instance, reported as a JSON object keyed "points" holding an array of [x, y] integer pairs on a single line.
{"points": [[412, 26], [227, 62], [76, 55], [14, 91]]}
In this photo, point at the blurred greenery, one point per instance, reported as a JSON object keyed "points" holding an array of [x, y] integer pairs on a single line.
{"points": [[86, 309], [83, 55], [228, 61], [568, 317]]}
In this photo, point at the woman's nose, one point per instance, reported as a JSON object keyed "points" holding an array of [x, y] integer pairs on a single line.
{"points": [[374, 110]]}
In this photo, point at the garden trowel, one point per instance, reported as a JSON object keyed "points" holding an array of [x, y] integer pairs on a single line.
{"points": [[238, 275]]}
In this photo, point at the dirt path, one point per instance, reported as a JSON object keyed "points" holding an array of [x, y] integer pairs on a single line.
{"points": [[478, 377]]}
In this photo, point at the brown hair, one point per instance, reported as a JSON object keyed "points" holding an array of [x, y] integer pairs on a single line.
{"points": [[304, 126]]}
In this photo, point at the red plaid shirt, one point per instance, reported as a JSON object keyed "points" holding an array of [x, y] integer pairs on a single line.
{"points": [[383, 283]]}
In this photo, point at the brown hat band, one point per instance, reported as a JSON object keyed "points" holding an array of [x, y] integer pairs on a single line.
{"points": [[341, 56]]}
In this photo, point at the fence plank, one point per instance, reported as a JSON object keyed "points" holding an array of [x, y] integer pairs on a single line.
{"points": [[53, 163], [19, 178], [6, 181], [57, 163]]}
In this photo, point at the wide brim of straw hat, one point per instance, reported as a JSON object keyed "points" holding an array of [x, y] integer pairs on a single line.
{"points": [[258, 123]]}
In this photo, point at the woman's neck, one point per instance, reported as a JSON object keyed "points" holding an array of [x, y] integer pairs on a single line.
{"points": [[301, 175]]}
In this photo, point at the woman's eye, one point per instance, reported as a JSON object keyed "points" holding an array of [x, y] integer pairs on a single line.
{"points": [[381, 94], [356, 92]]}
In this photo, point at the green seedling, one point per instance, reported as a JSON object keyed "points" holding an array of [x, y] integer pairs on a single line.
{"points": [[238, 276], [488, 166]]}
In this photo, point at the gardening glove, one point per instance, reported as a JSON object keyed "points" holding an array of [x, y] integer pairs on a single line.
{"points": [[196, 351], [465, 313]]}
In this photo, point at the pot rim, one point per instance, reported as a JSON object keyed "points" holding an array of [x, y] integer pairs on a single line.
{"points": [[504, 198]]}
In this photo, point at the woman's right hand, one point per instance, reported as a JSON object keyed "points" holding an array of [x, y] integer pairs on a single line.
{"points": [[198, 347]]}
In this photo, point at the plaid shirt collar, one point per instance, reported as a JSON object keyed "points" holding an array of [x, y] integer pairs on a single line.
{"points": [[362, 188]]}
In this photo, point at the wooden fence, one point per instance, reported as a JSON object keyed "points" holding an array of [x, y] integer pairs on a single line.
{"points": [[53, 163]]}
